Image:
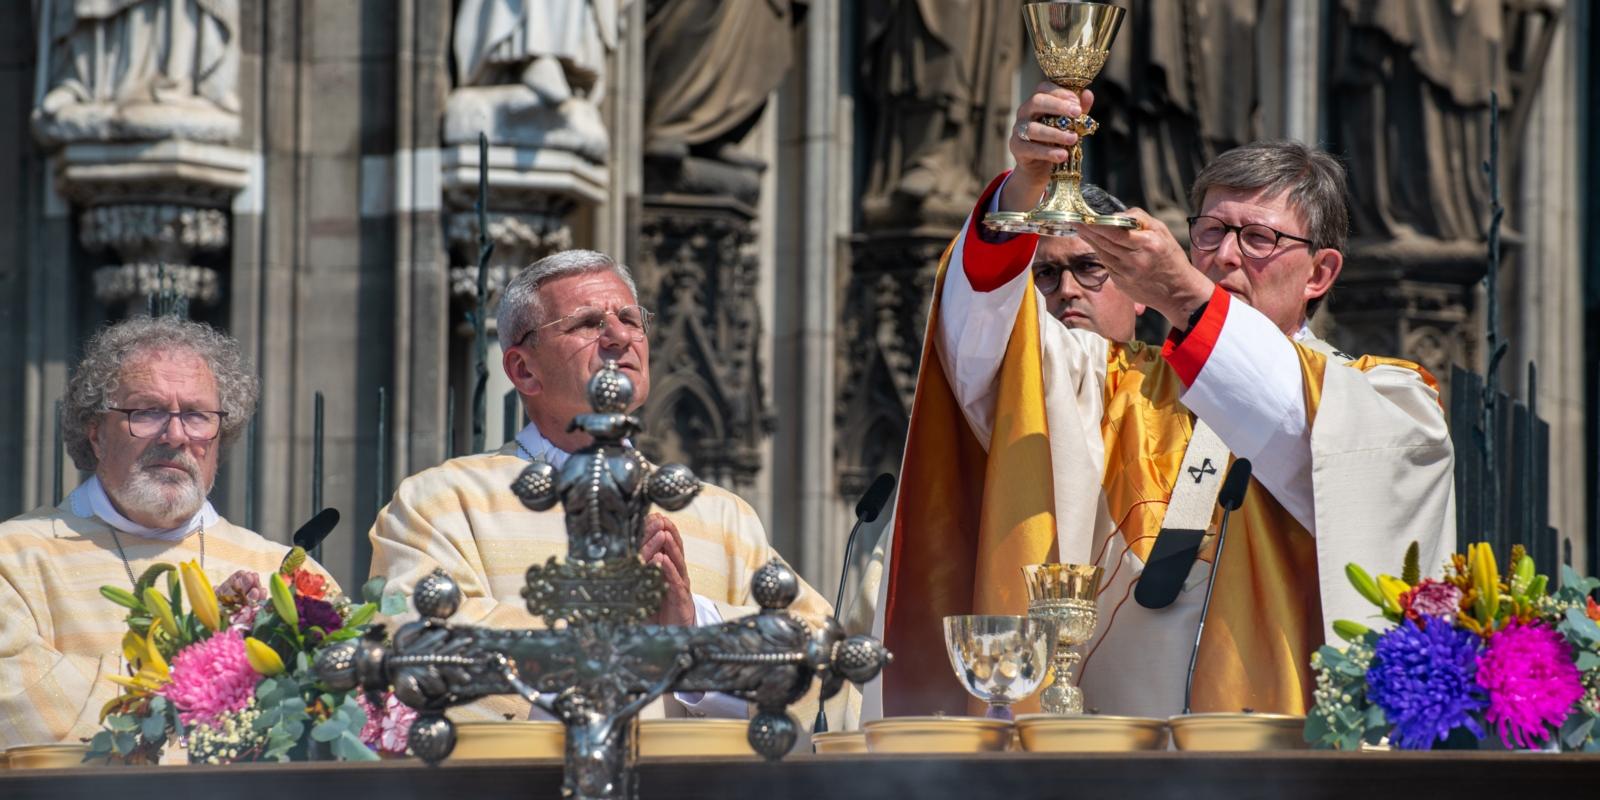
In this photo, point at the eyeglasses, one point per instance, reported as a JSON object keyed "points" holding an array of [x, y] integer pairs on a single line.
{"points": [[588, 322], [1255, 241], [151, 423], [1090, 275]]}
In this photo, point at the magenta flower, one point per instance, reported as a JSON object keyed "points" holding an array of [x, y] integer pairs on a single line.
{"points": [[211, 678], [1532, 683], [386, 728]]}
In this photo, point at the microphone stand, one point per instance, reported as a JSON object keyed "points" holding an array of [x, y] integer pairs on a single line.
{"points": [[1228, 505], [867, 510]]}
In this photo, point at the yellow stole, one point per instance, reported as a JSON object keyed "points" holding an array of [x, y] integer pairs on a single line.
{"points": [[1266, 610]]}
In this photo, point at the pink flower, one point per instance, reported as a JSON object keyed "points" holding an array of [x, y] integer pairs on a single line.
{"points": [[386, 731], [211, 678], [244, 619], [1431, 598], [1532, 683]]}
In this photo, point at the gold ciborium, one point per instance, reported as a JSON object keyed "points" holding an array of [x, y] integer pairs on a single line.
{"points": [[1071, 40], [1066, 594]]}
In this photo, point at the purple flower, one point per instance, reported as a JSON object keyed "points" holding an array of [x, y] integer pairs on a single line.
{"points": [[1423, 679], [1532, 683], [317, 614]]}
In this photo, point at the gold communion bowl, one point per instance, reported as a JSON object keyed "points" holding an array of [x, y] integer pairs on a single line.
{"points": [[1090, 733], [834, 742], [46, 756], [486, 740], [937, 735], [695, 737], [1238, 732]]}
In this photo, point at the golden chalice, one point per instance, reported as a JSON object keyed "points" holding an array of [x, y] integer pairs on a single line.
{"points": [[1064, 593], [1071, 40]]}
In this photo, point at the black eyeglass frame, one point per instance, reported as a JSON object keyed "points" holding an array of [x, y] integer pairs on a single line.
{"points": [[1077, 275], [1238, 236], [222, 417]]}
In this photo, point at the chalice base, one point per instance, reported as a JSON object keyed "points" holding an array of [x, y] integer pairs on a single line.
{"points": [[1061, 697], [1060, 213]]}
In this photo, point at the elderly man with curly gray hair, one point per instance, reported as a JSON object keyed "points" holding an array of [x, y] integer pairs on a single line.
{"points": [[148, 411]]}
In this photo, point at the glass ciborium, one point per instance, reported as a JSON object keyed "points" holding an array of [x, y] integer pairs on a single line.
{"points": [[999, 659], [1065, 594], [1071, 40]]}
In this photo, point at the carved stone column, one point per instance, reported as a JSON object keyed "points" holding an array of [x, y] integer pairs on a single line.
{"points": [[885, 314], [137, 104], [710, 66], [698, 272]]}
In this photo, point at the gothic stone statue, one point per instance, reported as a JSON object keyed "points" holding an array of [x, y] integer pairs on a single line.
{"points": [[138, 70], [532, 73]]}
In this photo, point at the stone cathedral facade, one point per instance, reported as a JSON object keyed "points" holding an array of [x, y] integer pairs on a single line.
{"points": [[782, 175]]}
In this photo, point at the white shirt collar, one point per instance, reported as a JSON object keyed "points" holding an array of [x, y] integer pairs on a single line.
{"points": [[1303, 334], [533, 446], [90, 500]]}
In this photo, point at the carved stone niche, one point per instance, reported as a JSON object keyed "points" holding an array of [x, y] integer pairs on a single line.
{"points": [[533, 197], [160, 210], [891, 278], [1412, 298], [698, 271]]}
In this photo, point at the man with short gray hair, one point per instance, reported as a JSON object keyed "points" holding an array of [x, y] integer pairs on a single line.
{"points": [[148, 411], [1352, 460], [560, 320]]}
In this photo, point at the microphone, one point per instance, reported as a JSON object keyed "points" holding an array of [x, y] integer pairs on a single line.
{"points": [[867, 510], [316, 529], [1229, 497]]}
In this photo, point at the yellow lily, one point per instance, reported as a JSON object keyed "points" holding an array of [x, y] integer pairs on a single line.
{"points": [[153, 660], [163, 610], [202, 597], [1486, 579], [1364, 584], [283, 600], [262, 658], [1392, 588]]}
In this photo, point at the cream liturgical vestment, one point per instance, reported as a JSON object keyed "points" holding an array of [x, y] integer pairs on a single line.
{"points": [[462, 517], [1352, 462], [59, 638]]}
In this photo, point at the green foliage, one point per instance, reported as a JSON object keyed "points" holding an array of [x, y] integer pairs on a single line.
{"points": [[1411, 572]]}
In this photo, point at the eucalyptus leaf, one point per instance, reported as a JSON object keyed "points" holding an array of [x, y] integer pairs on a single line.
{"points": [[394, 604], [350, 748], [158, 704], [123, 743], [122, 723], [1588, 660], [154, 727], [372, 591], [1317, 729], [1573, 735], [328, 730], [1581, 626], [100, 745]]}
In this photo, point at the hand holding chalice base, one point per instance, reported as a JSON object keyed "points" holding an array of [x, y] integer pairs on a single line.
{"points": [[1065, 594], [1071, 41]]}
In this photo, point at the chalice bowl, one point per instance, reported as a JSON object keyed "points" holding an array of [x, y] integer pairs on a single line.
{"points": [[999, 659], [1064, 593], [1071, 40]]}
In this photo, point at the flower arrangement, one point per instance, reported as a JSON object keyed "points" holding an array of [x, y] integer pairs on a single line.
{"points": [[230, 675], [1474, 656]]}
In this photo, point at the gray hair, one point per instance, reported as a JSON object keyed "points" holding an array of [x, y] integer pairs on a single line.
{"points": [[98, 376], [519, 311], [1314, 180], [1100, 200]]}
